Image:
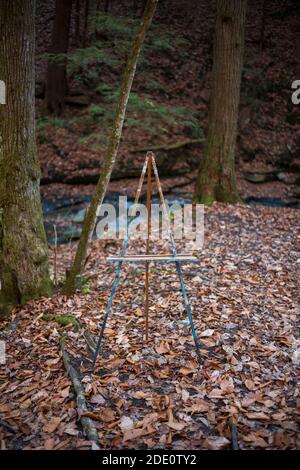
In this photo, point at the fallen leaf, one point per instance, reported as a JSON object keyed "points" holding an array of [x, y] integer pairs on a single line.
{"points": [[52, 425], [207, 333], [126, 423], [216, 443]]}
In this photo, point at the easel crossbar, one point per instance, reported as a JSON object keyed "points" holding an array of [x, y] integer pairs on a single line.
{"points": [[155, 258]]}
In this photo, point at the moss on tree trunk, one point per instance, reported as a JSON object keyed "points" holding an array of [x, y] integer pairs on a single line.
{"points": [[23, 247], [216, 178]]}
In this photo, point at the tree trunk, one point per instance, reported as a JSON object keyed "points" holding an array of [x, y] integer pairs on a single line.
{"points": [[106, 6], [23, 247], [263, 25], [143, 6], [85, 24], [216, 178], [90, 16], [112, 148], [56, 82], [77, 22], [93, 8]]}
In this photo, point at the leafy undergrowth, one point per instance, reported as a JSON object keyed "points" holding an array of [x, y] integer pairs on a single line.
{"points": [[243, 295]]}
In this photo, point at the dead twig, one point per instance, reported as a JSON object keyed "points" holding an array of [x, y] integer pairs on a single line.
{"points": [[234, 436], [86, 422]]}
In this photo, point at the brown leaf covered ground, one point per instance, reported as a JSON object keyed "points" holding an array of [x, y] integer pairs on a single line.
{"points": [[244, 297]]}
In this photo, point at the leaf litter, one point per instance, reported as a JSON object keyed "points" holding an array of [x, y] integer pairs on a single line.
{"points": [[245, 303]]}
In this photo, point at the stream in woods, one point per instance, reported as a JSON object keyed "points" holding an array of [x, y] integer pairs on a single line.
{"points": [[67, 214]]}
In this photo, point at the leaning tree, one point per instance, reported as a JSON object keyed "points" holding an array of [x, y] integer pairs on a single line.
{"points": [[112, 148]]}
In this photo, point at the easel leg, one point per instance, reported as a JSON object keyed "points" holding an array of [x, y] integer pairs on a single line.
{"points": [[109, 304], [147, 299], [149, 184], [188, 308]]}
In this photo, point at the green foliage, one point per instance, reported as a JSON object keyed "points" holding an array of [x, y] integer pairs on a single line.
{"points": [[111, 26], [107, 24], [154, 86], [143, 111], [94, 55], [104, 89], [84, 282], [114, 36], [44, 121], [96, 110], [104, 57]]}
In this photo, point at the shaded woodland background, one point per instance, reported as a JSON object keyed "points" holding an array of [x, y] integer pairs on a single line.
{"points": [[169, 101]]}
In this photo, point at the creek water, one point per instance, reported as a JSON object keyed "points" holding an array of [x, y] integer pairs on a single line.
{"points": [[67, 214]]}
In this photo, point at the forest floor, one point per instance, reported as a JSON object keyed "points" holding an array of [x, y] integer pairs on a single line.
{"points": [[244, 295]]}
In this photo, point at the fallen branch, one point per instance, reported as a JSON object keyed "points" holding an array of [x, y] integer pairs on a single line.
{"points": [[168, 147], [87, 423]]}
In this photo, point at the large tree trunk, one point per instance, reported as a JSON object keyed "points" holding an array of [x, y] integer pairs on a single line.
{"points": [[216, 179], [56, 83], [112, 148], [23, 246]]}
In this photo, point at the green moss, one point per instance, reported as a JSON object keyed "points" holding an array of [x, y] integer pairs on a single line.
{"points": [[206, 199], [63, 320], [225, 195], [5, 308]]}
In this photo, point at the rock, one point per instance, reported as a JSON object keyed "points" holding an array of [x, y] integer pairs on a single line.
{"points": [[260, 177], [71, 232], [78, 218], [287, 178]]}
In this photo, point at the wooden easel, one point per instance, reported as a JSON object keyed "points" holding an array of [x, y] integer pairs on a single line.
{"points": [[176, 258]]}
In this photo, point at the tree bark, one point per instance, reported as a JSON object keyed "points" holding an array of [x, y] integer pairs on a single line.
{"points": [[85, 25], [56, 82], [216, 178], [112, 148], [263, 25], [93, 9], [23, 247], [77, 22], [106, 6]]}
